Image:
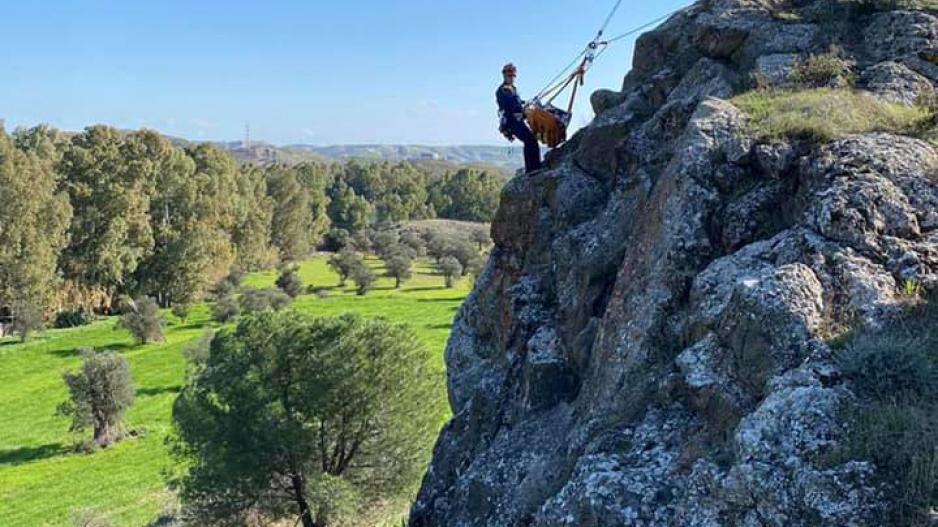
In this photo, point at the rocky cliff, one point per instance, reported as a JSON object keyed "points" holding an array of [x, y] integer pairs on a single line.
{"points": [[648, 344]]}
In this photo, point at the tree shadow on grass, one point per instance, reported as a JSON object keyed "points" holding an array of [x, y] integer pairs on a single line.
{"points": [[428, 288], [18, 456], [9, 343], [189, 325], [74, 352], [158, 390], [440, 300], [440, 326]]}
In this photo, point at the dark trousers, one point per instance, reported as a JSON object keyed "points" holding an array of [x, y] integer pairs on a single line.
{"points": [[532, 150]]}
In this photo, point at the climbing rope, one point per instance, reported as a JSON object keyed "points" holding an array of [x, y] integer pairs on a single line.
{"points": [[595, 49], [549, 123], [631, 32], [612, 13]]}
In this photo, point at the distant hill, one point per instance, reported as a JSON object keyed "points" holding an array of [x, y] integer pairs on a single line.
{"points": [[498, 156], [504, 157]]}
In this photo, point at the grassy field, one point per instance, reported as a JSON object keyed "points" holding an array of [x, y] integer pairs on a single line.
{"points": [[42, 480]]}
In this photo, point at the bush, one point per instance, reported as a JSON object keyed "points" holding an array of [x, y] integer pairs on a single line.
{"points": [[823, 71], [289, 281], [824, 114], [226, 309], [889, 368], [861, 7], [144, 321], [99, 393], [259, 300], [901, 441], [73, 319], [364, 279], [895, 375], [228, 285], [181, 310]]}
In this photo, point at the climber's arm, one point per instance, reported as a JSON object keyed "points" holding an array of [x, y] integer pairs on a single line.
{"points": [[509, 101]]}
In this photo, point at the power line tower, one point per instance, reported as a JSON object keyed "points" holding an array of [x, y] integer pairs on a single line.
{"points": [[247, 136]]}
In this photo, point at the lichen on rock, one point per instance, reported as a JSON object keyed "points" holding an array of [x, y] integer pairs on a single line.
{"points": [[648, 344]]}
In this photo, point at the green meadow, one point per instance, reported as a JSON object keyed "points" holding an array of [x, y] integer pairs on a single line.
{"points": [[44, 481]]}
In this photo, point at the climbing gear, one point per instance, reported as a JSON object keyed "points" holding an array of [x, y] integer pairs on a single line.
{"points": [[550, 123], [503, 127]]}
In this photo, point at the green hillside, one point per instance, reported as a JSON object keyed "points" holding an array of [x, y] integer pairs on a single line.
{"points": [[43, 481]]}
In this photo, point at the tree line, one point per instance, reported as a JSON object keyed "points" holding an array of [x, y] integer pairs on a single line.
{"points": [[90, 216]]}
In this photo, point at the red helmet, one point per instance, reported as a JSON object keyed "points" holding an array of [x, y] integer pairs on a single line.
{"points": [[509, 69]]}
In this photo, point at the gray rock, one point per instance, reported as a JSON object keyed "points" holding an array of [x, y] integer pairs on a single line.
{"points": [[602, 100], [896, 83], [775, 70], [706, 79], [646, 345], [896, 34], [774, 159]]}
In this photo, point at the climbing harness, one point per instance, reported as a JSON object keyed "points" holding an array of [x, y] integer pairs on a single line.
{"points": [[548, 122]]}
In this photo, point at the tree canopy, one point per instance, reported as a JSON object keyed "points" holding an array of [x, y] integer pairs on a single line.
{"points": [[88, 217], [99, 394], [289, 415], [34, 219]]}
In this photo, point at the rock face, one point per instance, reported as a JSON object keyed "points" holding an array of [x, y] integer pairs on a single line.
{"points": [[647, 344]]}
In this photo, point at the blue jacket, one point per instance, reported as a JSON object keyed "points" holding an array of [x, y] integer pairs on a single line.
{"points": [[510, 103]]}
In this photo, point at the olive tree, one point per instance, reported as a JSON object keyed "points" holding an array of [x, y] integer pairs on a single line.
{"points": [[257, 300], [27, 318], [451, 269], [303, 418], [480, 236], [226, 309], [99, 394], [143, 319], [398, 267], [364, 278], [343, 263], [289, 281]]}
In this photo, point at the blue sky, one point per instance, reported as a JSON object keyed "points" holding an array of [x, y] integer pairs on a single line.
{"points": [[320, 72]]}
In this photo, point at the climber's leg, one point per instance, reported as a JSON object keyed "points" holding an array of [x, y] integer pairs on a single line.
{"points": [[532, 150]]}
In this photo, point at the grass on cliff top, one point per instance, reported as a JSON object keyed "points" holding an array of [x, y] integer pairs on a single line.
{"points": [[871, 6], [826, 114], [43, 482]]}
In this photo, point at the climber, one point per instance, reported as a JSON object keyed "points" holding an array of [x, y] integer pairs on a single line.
{"points": [[512, 126]]}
